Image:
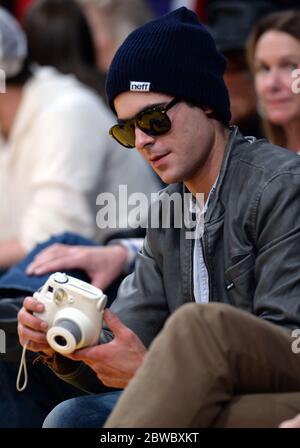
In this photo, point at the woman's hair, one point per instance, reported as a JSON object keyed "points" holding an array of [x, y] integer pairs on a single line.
{"points": [[58, 35], [286, 22]]}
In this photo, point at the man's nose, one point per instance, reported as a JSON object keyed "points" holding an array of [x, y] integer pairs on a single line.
{"points": [[142, 139]]}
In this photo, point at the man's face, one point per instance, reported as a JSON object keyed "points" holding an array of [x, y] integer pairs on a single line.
{"points": [[180, 154]]}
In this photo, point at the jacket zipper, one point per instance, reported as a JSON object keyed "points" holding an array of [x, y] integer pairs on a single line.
{"points": [[191, 282], [206, 265]]}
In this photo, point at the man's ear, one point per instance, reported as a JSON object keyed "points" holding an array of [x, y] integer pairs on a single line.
{"points": [[208, 110]]}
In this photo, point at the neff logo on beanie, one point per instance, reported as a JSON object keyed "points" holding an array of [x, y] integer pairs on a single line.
{"points": [[179, 56], [139, 86]]}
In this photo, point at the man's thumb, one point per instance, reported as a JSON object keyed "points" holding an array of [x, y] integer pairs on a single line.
{"points": [[113, 322]]}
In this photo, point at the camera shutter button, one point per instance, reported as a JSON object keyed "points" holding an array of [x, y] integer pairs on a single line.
{"points": [[60, 277]]}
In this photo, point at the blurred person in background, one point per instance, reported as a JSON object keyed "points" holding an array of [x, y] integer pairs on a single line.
{"points": [[111, 21], [54, 140], [17, 8], [49, 150], [230, 23], [53, 128], [161, 7], [274, 56], [59, 35]]}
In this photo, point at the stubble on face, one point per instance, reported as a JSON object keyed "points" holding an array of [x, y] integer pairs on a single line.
{"points": [[190, 152]]}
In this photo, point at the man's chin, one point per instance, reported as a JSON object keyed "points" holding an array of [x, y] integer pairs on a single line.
{"points": [[168, 179]]}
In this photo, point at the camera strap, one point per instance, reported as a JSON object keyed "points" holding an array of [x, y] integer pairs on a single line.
{"points": [[22, 367]]}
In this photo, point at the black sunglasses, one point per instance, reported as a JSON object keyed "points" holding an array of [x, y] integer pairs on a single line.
{"points": [[153, 121]]}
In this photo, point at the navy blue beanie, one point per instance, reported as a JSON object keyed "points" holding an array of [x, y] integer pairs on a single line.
{"points": [[174, 55]]}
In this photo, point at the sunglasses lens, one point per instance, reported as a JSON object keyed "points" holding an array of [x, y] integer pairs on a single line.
{"points": [[151, 122], [154, 123], [124, 134]]}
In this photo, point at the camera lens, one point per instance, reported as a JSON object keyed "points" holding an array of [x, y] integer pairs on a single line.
{"points": [[60, 340], [64, 336]]}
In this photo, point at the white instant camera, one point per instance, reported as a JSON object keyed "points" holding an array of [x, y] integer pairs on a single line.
{"points": [[73, 311]]}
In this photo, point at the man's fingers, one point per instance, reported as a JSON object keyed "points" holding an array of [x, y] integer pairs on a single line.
{"points": [[50, 252], [30, 321], [46, 256], [38, 347], [33, 305], [46, 253], [26, 334], [86, 354], [53, 265], [114, 323], [46, 266]]}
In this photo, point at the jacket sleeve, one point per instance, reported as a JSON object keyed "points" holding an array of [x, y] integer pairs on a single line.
{"points": [[78, 374], [141, 305], [277, 265]]}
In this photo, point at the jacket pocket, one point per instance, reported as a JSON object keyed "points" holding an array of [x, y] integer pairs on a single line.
{"points": [[239, 282]]}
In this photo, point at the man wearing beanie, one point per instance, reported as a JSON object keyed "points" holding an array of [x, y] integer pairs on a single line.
{"points": [[236, 284]]}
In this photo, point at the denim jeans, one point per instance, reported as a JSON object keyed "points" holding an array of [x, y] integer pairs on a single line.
{"points": [[16, 278], [45, 390], [29, 408], [84, 412]]}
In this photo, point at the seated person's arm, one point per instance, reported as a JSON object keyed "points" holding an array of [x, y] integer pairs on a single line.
{"points": [[102, 264], [68, 162], [11, 252]]}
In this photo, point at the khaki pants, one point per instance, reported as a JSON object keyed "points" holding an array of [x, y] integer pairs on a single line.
{"points": [[213, 365]]}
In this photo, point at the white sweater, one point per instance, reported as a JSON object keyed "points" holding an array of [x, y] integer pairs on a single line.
{"points": [[58, 158]]}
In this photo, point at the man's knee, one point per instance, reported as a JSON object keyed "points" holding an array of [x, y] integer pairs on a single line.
{"points": [[59, 416], [193, 312], [196, 320], [89, 411]]}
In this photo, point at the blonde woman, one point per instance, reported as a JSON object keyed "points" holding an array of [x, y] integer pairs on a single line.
{"points": [[274, 56]]}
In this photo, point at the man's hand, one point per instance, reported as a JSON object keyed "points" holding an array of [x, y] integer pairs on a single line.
{"points": [[31, 329], [102, 264], [116, 362]]}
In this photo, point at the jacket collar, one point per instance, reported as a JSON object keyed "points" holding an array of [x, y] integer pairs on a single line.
{"points": [[232, 147], [236, 139]]}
